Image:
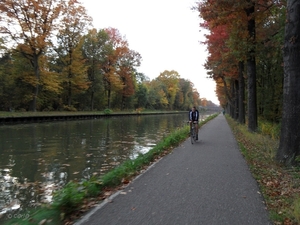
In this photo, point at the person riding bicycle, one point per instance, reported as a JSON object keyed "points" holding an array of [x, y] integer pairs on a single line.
{"points": [[194, 118]]}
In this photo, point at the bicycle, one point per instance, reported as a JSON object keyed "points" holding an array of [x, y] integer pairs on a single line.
{"points": [[193, 133]]}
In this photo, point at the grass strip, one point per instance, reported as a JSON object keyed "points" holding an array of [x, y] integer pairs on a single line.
{"points": [[280, 186]]}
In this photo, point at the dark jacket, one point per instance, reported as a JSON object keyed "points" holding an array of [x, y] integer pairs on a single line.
{"points": [[194, 116]]}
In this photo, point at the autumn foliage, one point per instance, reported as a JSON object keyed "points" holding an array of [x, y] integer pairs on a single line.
{"points": [[245, 60], [53, 59]]}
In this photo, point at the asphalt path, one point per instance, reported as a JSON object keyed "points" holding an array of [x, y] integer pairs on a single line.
{"points": [[208, 183]]}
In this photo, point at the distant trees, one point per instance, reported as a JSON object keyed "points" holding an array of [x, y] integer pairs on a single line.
{"points": [[169, 81], [169, 91], [53, 59]]}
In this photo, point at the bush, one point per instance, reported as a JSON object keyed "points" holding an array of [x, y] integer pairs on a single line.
{"points": [[270, 129], [68, 198], [107, 111], [92, 187], [139, 110], [69, 108]]}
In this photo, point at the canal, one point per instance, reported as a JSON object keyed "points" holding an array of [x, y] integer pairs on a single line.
{"points": [[37, 159]]}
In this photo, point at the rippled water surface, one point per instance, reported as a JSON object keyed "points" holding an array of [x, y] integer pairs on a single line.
{"points": [[36, 159]]}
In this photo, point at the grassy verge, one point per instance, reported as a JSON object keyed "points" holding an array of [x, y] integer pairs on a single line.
{"points": [[76, 198], [279, 185]]}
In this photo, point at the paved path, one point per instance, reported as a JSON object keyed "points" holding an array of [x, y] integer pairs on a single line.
{"points": [[206, 183]]}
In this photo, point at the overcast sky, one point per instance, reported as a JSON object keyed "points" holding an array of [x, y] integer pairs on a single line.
{"points": [[165, 32]]}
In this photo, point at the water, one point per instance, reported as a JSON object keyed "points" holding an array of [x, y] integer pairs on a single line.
{"points": [[37, 159]]}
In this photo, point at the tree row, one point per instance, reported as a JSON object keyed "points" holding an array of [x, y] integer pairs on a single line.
{"points": [[53, 59], [254, 58]]}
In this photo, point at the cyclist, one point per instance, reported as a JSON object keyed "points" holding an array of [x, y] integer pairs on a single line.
{"points": [[194, 118]]}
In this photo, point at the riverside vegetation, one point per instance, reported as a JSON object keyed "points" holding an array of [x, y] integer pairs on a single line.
{"points": [[280, 186], [75, 198]]}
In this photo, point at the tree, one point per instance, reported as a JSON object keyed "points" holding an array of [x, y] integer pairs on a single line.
{"points": [[196, 98], [30, 24], [110, 66], [241, 93], [182, 94], [75, 22], [95, 50], [23, 77], [249, 26], [157, 97], [170, 81], [251, 66], [222, 61], [141, 96], [289, 147], [270, 35], [127, 71], [7, 81]]}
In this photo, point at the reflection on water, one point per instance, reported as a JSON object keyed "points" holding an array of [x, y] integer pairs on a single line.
{"points": [[36, 159]]}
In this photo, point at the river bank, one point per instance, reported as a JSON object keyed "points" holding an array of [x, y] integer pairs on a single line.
{"points": [[7, 118], [37, 117]]}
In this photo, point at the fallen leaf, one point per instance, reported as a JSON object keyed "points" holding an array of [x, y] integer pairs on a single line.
{"points": [[107, 193], [43, 222], [125, 181]]}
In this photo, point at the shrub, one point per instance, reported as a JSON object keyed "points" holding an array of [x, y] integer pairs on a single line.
{"points": [[107, 111], [270, 129], [69, 108], [68, 198]]}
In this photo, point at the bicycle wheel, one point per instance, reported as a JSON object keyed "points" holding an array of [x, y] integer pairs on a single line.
{"points": [[192, 135]]}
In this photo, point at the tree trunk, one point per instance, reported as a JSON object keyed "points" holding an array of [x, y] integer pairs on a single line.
{"points": [[289, 146], [69, 93], [35, 64], [231, 102], [92, 100], [241, 94], [236, 99], [91, 75], [251, 70], [123, 102], [228, 96], [108, 98]]}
